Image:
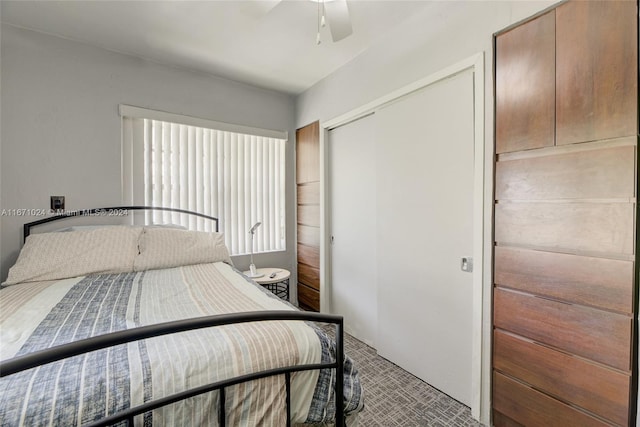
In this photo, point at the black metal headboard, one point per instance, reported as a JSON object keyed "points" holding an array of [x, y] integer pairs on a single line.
{"points": [[111, 211]]}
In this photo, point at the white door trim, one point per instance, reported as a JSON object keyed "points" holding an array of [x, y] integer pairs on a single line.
{"points": [[480, 407]]}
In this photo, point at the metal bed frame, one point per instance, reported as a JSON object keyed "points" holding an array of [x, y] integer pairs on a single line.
{"points": [[87, 345], [108, 212]]}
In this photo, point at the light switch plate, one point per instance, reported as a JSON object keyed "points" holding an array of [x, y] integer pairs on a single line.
{"points": [[57, 203]]}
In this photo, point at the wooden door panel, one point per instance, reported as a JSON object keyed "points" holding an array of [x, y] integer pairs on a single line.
{"points": [[593, 174], [597, 70], [529, 407], [309, 255], [598, 282], [606, 228], [600, 390], [525, 86], [308, 297], [594, 334], [501, 420], [309, 276], [309, 215], [309, 236], [309, 194], [308, 153]]}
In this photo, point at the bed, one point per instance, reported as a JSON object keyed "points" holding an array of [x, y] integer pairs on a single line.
{"points": [[148, 325]]}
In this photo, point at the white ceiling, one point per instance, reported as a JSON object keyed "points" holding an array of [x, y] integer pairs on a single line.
{"points": [[249, 41]]}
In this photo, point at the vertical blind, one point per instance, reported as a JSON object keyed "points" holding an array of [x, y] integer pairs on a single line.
{"points": [[236, 177]]}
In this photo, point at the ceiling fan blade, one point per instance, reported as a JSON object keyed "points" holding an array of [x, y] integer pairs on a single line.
{"points": [[337, 14]]}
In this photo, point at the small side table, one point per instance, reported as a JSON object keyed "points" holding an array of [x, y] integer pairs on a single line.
{"points": [[278, 284]]}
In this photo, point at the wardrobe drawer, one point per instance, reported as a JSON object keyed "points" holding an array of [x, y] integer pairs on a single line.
{"points": [[308, 297], [603, 228], [603, 173], [501, 420], [598, 282], [600, 390], [309, 255], [309, 276], [594, 334], [309, 215], [309, 194], [532, 408], [309, 236]]}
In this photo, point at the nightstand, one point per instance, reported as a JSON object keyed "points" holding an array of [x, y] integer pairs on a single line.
{"points": [[278, 284]]}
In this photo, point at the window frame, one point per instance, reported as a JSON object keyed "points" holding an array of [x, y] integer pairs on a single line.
{"points": [[133, 171]]}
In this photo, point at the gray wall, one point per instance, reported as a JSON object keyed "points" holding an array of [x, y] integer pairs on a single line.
{"points": [[61, 132], [443, 34]]}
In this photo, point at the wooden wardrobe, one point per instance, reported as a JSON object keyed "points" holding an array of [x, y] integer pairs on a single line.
{"points": [[564, 297], [308, 214]]}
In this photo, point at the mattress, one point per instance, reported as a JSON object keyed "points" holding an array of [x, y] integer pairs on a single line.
{"points": [[84, 388]]}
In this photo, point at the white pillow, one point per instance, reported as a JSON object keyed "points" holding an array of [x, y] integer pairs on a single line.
{"points": [[169, 247], [80, 228], [178, 226], [52, 256]]}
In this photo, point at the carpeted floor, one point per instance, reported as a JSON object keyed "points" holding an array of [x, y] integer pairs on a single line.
{"points": [[394, 397]]}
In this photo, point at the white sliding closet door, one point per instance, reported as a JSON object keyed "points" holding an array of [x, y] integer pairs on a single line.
{"points": [[352, 187], [425, 170]]}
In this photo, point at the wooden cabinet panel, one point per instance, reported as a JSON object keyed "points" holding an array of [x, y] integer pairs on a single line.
{"points": [[581, 227], [532, 408], [597, 70], [308, 210], [592, 174], [309, 194], [308, 298], [525, 85], [564, 221], [598, 282], [600, 390], [308, 153], [309, 276], [501, 420], [594, 334], [309, 236], [309, 215], [309, 255]]}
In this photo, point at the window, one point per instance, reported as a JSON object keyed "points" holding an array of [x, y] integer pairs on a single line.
{"points": [[208, 167]]}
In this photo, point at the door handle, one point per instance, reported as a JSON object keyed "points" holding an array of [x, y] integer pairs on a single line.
{"points": [[466, 264]]}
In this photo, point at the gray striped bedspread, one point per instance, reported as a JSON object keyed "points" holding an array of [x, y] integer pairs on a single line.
{"points": [[88, 387]]}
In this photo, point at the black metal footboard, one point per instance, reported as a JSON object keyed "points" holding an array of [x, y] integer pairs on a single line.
{"points": [[53, 354]]}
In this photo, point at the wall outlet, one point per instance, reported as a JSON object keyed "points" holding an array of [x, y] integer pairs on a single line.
{"points": [[57, 203]]}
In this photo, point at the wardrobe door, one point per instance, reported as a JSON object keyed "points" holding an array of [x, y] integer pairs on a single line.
{"points": [[597, 70], [353, 208], [425, 156], [525, 86]]}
